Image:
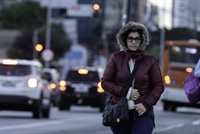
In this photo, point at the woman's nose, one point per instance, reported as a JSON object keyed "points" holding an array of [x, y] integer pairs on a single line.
{"points": [[133, 41]]}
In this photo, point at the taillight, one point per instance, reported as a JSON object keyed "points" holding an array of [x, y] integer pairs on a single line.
{"points": [[32, 82], [99, 88], [52, 86], [167, 79], [62, 85]]}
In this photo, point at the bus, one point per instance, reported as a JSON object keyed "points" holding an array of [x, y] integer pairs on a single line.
{"points": [[179, 59]]}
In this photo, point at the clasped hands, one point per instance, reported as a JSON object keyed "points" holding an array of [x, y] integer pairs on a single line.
{"points": [[138, 107]]}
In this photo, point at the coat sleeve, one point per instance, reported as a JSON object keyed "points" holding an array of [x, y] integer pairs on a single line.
{"points": [[156, 83], [197, 70], [108, 79]]}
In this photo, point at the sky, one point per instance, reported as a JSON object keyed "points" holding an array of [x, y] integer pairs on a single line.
{"points": [[165, 17]]}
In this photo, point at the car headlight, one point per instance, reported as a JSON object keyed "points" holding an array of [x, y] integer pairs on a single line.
{"points": [[99, 88]]}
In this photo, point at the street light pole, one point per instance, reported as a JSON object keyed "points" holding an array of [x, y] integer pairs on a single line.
{"points": [[35, 41], [48, 30], [162, 37], [42, 28]]}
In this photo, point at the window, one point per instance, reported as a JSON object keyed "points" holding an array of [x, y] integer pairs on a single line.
{"points": [[88, 78], [185, 54], [19, 70]]}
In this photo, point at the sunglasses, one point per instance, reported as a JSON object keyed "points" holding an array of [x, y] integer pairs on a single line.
{"points": [[130, 39]]}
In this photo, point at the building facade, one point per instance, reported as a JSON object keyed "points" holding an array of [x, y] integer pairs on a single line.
{"points": [[186, 13]]}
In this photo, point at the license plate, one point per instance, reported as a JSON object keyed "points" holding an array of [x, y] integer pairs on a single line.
{"points": [[8, 84], [81, 90]]}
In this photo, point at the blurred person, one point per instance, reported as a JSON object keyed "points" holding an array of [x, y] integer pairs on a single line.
{"points": [[197, 70], [147, 86], [192, 85]]}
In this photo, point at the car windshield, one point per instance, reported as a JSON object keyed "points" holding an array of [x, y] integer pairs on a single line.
{"points": [[48, 75], [74, 76], [184, 54], [19, 70]]}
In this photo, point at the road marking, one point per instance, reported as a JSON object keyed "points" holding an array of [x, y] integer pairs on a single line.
{"points": [[196, 122], [30, 125], [169, 127]]}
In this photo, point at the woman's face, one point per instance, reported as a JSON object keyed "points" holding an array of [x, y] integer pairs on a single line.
{"points": [[133, 41]]}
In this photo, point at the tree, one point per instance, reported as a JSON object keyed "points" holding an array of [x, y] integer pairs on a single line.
{"points": [[27, 16], [179, 34]]}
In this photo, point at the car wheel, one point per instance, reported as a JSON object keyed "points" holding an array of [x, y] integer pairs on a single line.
{"points": [[61, 106], [165, 106], [60, 103], [101, 109], [54, 103], [173, 108], [46, 112], [37, 112], [67, 106], [103, 104]]}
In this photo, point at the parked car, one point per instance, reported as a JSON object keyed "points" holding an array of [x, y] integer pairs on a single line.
{"points": [[23, 87], [53, 78], [82, 86]]}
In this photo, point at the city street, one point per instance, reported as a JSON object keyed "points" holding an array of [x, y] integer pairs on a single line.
{"points": [[87, 120], [65, 52]]}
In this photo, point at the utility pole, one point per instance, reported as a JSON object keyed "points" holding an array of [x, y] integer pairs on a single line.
{"points": [[162, 37], [48, 30], [195, 24], [35, 42], [124, 14], [40, 29]]}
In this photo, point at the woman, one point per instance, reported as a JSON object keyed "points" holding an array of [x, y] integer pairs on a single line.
{"points": [[147, 85]]}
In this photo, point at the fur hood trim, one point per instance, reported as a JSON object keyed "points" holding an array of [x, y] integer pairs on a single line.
{"points": [[133, 26]]}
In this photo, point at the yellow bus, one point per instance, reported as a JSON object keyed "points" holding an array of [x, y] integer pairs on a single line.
{"points": [[179, 59]]}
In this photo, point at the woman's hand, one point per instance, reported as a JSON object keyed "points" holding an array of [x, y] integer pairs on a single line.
{"points": [[140, 109], [134, 94]]}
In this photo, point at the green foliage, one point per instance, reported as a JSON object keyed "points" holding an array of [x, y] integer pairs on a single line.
{"points": [[28, 16], [23, 15], [153, 50], [179, 34]]}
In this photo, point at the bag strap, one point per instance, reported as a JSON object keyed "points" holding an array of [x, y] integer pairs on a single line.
{"points": [[137, 64]]}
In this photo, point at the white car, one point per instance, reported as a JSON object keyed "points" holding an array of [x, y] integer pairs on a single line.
{"points": [[53, 78], [23, 88]]}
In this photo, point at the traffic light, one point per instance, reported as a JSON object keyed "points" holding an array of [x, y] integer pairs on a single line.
{"points": [[38, 47], [96, 7]]}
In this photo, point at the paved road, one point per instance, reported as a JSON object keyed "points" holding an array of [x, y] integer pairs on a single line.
{"points": [[185, 129], [86, 120]]}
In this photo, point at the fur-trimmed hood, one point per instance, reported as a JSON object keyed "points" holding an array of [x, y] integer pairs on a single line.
{"points": [[133, 26]]}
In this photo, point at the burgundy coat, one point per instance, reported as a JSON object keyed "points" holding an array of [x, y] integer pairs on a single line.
{"points": [[148, 79]]}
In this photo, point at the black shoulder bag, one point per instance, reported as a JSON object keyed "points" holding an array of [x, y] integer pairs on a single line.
{"points": [[117, 114]]}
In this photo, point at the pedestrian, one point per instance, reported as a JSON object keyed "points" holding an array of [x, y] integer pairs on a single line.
{"points": [[197, 70], [192, 85], [147, 86]]}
